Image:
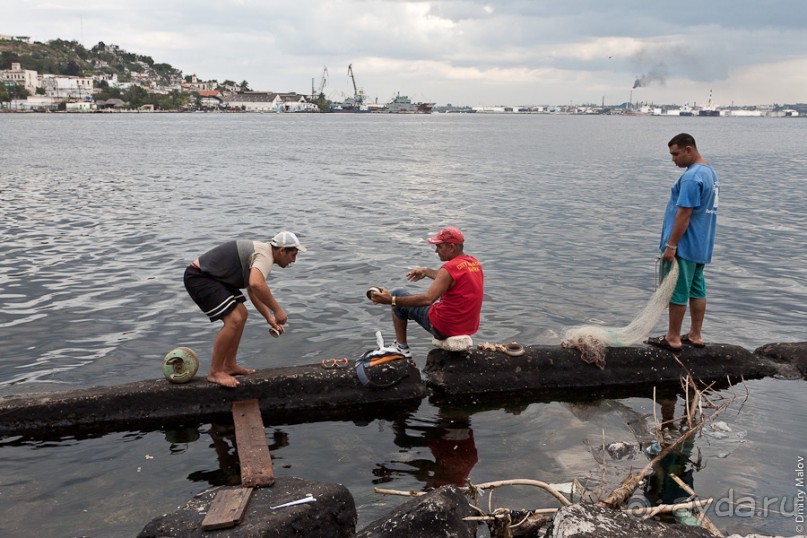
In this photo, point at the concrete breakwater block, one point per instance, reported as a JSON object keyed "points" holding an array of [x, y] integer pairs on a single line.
{"points": [[592, 521], [290, 395], [437, 513], [332, 514], [311, 393], [793, 354], [547, 368]]}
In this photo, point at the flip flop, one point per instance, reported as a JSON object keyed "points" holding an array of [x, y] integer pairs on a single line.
{"points": [[687, 342], [661, 341], [335, 363]]}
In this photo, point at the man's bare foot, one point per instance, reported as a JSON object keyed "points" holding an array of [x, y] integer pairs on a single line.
{"points": [[694, 342], [239, 370], [223, 378]]}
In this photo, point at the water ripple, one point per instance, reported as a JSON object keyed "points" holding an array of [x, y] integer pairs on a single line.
{"points": [[563, 213]]}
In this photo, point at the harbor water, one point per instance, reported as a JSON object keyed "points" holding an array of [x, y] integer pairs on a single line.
{"points": [[101, 213]]}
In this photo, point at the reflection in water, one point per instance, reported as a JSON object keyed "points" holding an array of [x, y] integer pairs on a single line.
{"points": [[451, 442], [180, 438], [226, 448], [660, 487], [617, 459]]}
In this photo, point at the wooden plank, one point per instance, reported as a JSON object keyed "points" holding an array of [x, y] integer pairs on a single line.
{"points": [[227, 509], [253, 451]]}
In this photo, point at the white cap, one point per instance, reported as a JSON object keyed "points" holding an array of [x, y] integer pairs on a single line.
{"points": [[287, 240]]}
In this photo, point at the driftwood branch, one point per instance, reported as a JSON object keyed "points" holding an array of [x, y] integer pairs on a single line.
{"points": [[501, 523], [655, 417], [383, 491], [539, 511], [651, 511], [488, 485], [524, 482], [704, 520]]}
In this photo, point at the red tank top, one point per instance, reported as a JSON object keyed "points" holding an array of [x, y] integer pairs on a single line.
{"points": [[457, 312]]}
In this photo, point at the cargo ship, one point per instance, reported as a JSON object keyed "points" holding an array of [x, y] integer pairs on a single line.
{"points": [[709, 110], [404, 105]]}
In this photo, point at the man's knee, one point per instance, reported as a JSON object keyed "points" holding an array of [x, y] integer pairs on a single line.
{"points": [[237, 316], [399, 292], [399, 312]]}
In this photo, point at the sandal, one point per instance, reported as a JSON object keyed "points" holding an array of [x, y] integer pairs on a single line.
{"points": [[335, 363], [661, 341], [688, 342]]}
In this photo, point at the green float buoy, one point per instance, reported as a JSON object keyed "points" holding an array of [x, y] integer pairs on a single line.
{"points": [[180, 365]]}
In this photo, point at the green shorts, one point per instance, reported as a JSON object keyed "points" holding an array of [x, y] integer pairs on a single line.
{"points": [[690, 285]]}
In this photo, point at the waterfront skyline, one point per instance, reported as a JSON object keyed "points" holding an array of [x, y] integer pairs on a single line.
{"points": [[460, 52]]}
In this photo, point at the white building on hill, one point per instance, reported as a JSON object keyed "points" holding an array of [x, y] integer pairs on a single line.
{"points": [[64, 87], [19, 76], [269, 102]]}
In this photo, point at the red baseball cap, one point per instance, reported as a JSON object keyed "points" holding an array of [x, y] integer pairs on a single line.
{"points": [[447, 235]]}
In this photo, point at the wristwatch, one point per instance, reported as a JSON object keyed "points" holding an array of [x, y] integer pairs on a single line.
{"points": [[392, 303]]}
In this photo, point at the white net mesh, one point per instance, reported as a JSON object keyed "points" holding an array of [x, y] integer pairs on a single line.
{"points": [[592, 340]]}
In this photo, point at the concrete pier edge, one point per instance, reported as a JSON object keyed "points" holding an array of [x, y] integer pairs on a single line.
{"points": [[311, 393]]}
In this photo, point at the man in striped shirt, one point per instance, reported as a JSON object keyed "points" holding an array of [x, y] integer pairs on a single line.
{"points": [[214, 281]]}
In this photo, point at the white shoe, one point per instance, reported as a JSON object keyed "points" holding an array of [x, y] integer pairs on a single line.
{"points": [[405, 351]]}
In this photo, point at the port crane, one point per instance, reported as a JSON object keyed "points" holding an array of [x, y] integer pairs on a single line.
{"points": [[358, 95], [315, 94]]}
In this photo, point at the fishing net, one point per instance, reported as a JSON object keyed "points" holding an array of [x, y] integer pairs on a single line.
{"points": [[592, 340]]}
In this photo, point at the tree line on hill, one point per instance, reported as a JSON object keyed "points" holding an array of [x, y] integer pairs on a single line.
{"points": [[70, 58]]}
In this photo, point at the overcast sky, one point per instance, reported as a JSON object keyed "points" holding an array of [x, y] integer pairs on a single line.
{"points": [[463, 52]]}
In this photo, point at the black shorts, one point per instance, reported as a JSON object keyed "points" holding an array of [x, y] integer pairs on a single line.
{"points": [[215, 298]]}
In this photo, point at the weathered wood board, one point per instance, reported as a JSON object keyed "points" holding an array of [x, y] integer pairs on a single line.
{"points": [[253, 450], [227, 509]]}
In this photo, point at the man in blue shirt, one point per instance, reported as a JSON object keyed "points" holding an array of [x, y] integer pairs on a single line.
{"points": [[688, 235]]}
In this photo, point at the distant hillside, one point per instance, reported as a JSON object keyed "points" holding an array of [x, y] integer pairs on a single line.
{"points": [[60, 57]]}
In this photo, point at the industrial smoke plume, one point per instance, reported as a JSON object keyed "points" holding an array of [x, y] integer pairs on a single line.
{"points": [[657, 74]]}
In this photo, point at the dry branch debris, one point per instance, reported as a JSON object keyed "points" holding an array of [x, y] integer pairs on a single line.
{"points": [[504, 523]]}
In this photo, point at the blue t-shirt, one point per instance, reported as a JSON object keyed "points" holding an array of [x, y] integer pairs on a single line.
{"points": [[696, 188]]}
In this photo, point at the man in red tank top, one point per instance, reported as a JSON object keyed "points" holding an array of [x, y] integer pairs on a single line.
{"points": [[452, 304]]}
